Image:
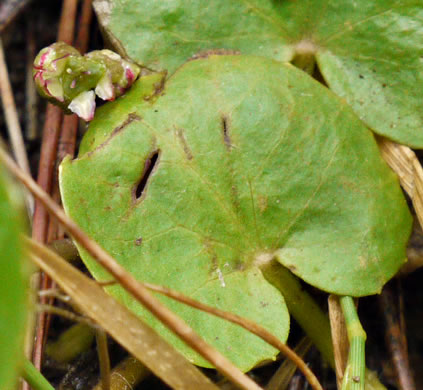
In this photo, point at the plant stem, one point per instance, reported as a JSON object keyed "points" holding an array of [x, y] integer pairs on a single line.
{"points": [[71, 343], [356, 367], [66, 249], [34, 378], [309, 316], [302, 307], [129, 372], [104, 358]]}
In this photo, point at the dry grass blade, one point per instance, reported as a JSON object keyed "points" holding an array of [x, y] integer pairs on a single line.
{"points": [[403, 161], [31, 111], [13, 126], [130, 284], [124, 326], [246, 324], [283, 376], [339, 337]]}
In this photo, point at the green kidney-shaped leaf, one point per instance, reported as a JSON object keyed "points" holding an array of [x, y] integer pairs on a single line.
{"points": [[12, 288], [233, 161], [369, 52]]}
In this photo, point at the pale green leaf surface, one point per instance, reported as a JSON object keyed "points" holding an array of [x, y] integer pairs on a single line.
{"points": [[249, 167], [369, 52], [12, 288]]}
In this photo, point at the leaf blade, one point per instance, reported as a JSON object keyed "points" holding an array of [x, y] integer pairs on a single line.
{"points": [[223, 196], [13, 307], [369, 53]]}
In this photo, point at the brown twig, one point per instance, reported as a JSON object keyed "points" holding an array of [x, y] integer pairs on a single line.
{"points": [[166, 316], [31, 97], [46, 169], [244, 323], [396, 339], [67, 141], [241, 321], [122, 324], [65, 146], [130, 284], [81, 42], [283, 376], [103, 358], [66, 314]]}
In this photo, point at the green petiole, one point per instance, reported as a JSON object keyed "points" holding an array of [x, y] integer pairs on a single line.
{"points": [[354, 377], [315, 324]]}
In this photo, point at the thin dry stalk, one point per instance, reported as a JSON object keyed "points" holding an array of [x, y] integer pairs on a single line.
{"points": [[65, 314], [45, 168], [81, 42], [122, 324], [9, 9], [56, 293], [45, 171], [246, 324], [66, 146], [130, 284], [67, 141], [103, 358], [13, 126], [243, 322], [339, 338], [396, 339], [281, 378], [31, 97], [40, 221]]}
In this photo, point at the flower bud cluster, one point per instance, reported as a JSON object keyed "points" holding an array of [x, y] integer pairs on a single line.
{"points": [[71, 80]]}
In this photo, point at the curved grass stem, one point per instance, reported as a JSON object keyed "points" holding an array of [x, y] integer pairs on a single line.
{"points": [[34, 378]]}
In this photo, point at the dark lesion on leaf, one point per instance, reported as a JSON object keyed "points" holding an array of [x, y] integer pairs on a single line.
{"points": [[181, 137], [150, 165], [132, 117], [225, 131], [214, 52], [158, 88]]}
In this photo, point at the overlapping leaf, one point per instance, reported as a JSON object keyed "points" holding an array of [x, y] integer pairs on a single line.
{"points": [[369, 52], [234, 161], [12, 288]]}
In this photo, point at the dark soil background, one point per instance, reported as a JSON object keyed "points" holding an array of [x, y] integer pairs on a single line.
{"points": [[34, 27]]}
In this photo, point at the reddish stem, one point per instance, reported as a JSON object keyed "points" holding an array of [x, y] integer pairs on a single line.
{"points": [[84, 27], [45, 171]]}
